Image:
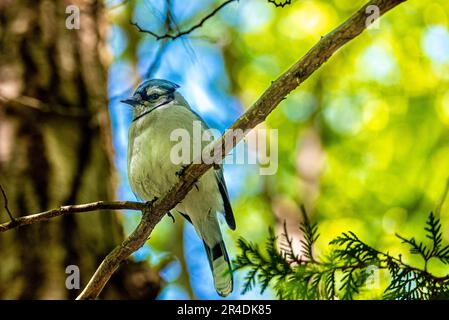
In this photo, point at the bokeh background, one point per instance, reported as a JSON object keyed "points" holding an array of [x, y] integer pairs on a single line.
{"points": [[364, 143]]}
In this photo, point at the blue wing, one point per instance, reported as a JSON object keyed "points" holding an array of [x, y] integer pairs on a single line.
{"points": [[229, 214]]}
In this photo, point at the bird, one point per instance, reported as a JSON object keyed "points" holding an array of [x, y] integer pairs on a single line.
{"points": [[158, 110]]}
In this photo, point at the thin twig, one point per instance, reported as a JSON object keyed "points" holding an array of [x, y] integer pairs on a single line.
{"points": [[153, 67], [157, 60], [185, 32], [5, 199], [87, 207], [163, 46]]}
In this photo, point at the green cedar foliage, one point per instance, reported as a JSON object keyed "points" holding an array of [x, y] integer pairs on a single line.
{"points": [[344, 272]]}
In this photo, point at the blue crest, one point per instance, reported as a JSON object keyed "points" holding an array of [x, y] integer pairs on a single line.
{"points": [[169, 86]]}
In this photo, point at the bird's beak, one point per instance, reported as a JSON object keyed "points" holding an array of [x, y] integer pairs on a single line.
{"points": [[131, 101]]}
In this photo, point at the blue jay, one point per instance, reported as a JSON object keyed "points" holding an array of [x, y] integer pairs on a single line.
{"points": [[158, 110]]}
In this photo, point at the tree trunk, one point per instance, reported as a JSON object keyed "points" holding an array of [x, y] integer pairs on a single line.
{"points": [[56, 149]]}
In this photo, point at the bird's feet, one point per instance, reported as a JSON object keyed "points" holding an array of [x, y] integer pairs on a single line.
{"points": [[181, 171], [171, 216], [150, 203]]}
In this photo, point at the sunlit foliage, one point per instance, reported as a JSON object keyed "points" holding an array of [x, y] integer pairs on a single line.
{"points": [[351, 267]]}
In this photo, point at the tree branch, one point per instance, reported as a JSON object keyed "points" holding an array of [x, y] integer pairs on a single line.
{"points": [[88, 207], [168, 35], [163, 45], [256, 114]]}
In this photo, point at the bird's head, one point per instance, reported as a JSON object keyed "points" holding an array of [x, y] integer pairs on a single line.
{"points": [[151, 94]]}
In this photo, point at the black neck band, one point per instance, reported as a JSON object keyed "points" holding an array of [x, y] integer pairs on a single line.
{"points": [[151, 110]]}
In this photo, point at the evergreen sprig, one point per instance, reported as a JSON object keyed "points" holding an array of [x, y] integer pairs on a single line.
{"points": [[310, 232], [345, 271], [436, 250], [264, 267]]}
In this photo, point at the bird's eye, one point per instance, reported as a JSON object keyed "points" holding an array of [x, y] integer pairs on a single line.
{"points": [[153, 96]]}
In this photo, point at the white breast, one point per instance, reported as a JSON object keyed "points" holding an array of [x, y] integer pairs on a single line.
{"points": [[151, 171]]}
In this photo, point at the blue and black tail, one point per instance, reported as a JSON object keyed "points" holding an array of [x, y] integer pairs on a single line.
{"points": [[221, 268]]}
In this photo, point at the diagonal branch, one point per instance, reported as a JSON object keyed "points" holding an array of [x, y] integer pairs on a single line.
{"points": [[168, 35], [256, 114]]}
